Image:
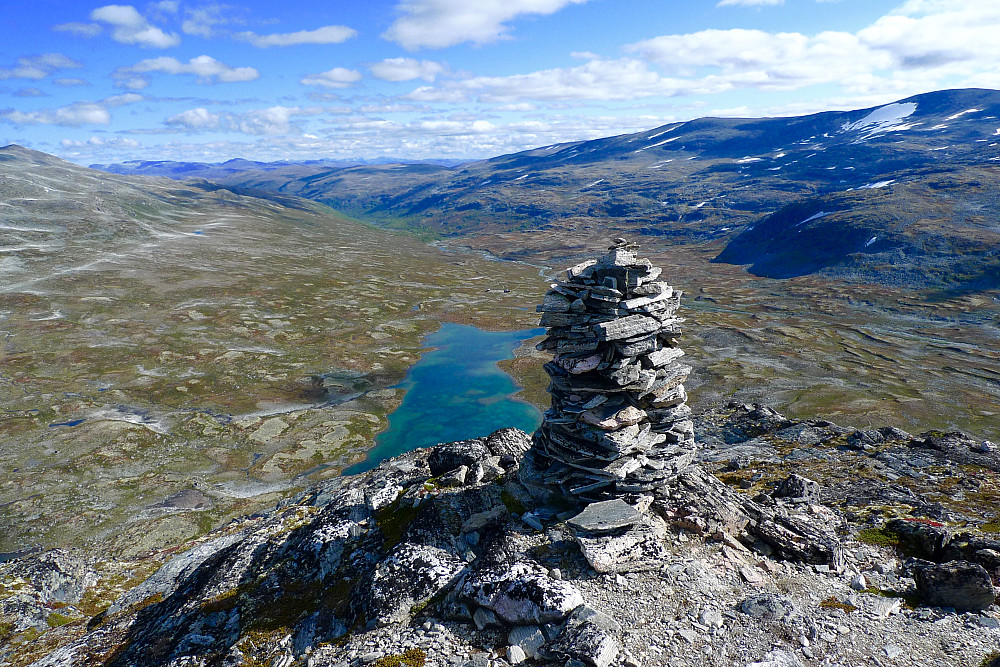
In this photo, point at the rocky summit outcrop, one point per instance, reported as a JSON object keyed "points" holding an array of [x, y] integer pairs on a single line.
{"points": [[776, 542], [395, 566], [618, 422]]}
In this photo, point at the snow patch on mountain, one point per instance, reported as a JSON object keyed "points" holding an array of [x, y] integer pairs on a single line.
{"points": [[884, 119], [811, 218], [659, 143], [962, 113], [877, 184]]}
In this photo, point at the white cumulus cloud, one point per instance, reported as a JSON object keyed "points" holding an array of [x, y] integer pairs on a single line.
{"points": [[65, 82], [338, 77], [759, 59], [207, 69], [925, 34], [202, 21], [195, 119], [276, 120], [128, 26], [31, 91], [622, 79], [38, 67], [79, 29], [441, 23], [406, 69], [100, 142], [921, 45], [330, 34], [122, 100], [72, 115]]}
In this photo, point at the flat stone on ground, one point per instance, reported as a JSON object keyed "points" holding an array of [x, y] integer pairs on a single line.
{"points": [[606, 516]]}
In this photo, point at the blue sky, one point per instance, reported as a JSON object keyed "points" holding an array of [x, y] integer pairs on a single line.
{"points": [[306, 79]]}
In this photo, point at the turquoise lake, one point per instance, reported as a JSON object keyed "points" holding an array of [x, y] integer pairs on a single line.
{"points": [[455, 392]]}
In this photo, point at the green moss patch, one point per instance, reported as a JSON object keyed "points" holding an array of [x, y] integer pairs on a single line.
{"points": [[834, 603], [513, 505], [881, 537], [56, 620], [413, 657], [393, 520]]}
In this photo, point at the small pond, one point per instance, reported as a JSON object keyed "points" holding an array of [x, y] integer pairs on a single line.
{"points": [[455, 392]]}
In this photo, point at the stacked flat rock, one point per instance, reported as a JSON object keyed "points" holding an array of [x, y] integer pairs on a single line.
{"points": [[618, 422]]}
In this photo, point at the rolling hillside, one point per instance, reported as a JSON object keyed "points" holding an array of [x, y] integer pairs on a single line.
{"points": [[918, 176], [171, 355]]}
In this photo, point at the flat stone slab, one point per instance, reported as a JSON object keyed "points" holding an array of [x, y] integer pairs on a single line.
{"points": [[636, 550], [606, 516]]}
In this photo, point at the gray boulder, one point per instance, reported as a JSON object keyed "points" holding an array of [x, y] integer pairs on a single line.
{"points": [[521, 594], [590, 636], [56, 576], [451, 455], [777, 658], [959, 584], [769, 607], [529, 638], [408, 577], [638, 549], [798, 488], [920, 538], [508, 442]]}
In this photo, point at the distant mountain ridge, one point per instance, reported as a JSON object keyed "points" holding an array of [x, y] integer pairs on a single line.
{"points": [[907, 188], [210, 170]]}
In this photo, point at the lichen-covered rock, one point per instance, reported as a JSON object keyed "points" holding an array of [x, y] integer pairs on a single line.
{"points": [[521, 594], [808, 539], [639, 548], [959, 448], [55, 576], [508, 442], [798, 488], [590, 636], [920, 538], [166, 579], [24, 612], [452, 455], [409, 577]]}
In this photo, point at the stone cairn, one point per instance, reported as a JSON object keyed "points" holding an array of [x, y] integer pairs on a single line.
{"points": [[618, 424]]}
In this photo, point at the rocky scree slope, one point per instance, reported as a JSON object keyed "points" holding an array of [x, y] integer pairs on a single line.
{"points": [[442, 556]]}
